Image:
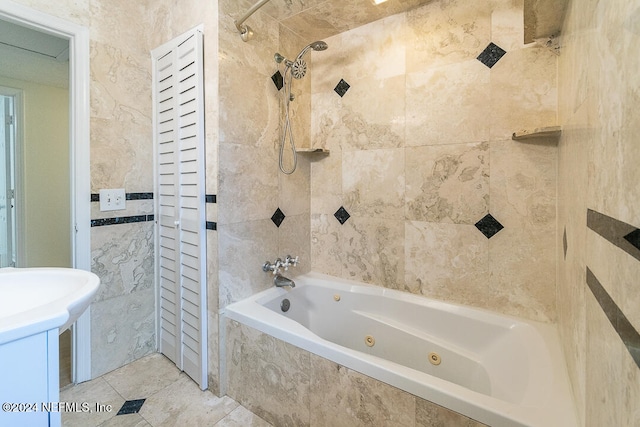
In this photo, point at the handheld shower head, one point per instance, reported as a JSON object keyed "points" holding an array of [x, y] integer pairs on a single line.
{"points": [[317, 46]]}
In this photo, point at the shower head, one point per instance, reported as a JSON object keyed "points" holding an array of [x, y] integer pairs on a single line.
{"points": [[299, 66], [317, 46]]}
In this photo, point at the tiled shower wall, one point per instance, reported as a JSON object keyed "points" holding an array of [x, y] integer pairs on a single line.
{"points": [[421, 152], [598, 159], [251, 187]]}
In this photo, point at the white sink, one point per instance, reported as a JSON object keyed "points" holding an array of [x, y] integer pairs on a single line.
{"points": [[33, 300]]}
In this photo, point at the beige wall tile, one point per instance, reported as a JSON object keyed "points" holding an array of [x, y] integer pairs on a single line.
{"points": [[448, 104], [507, 29], [122, 330], [244, 247], [248, 183], [294, 239], [373, 183], [275, 378], [326, 244], [447, 183], [604, 356], [430, 414], [598, 81], [340, 396], [447, 261], [374, 251], [528, 101], [445, 32], [122, 256]]}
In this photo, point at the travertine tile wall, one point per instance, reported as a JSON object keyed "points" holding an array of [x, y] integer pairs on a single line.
{"points": [[598, 157], [286, 385], [121, 36], [123, 319], [251, 187], [421, 151]]}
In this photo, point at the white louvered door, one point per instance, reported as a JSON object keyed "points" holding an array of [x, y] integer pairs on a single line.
{"points": [[180, 203]]}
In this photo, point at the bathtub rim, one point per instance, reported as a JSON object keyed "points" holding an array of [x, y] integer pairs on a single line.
{"points": [[480, 407]]}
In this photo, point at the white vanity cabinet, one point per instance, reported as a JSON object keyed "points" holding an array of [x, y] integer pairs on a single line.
{"points": [[35, 304], [29, 379]]}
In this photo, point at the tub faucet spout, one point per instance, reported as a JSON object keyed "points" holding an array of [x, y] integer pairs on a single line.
{"points": [[281, 281]]}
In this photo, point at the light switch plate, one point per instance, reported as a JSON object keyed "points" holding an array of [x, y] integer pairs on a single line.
{"points": [[112, 199]]}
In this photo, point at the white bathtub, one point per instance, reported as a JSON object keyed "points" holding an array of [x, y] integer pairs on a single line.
{"points": [[498, 370]]}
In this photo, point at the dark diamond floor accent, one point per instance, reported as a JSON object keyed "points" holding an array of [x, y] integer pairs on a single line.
{"points": [[489, 226], [278, 217], [633, 238], [491, 55], [342, 87], [131, 407], [342, 215], [278, 80]]}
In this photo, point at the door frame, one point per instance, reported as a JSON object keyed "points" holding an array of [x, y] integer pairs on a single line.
{"points": [[79, 164], [16, 94]]}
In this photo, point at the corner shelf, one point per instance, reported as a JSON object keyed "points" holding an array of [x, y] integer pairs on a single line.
{"points": [[538, 133], [312, 151]]}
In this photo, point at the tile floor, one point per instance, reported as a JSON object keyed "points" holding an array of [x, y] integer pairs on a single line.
{"points": [[171, 398]]}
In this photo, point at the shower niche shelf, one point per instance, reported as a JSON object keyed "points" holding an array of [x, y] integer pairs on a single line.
{"points": [[312, 151], [538, 133]]}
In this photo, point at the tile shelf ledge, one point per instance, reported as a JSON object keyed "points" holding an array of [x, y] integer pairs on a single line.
{"points": [[538, 133], [312, 150]]}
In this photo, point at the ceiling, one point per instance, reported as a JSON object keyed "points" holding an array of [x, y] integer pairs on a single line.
{"points": [[33, 56], [319, 19]]}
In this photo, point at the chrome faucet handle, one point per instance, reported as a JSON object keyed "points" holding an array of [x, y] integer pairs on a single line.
{"points": [[275, 267], [267, 266], [292, 261]]}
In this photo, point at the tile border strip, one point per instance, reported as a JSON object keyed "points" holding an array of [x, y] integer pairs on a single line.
{"points": [[629, 335], [95, 197], [614, 231], [209, 198], [121, 220]]}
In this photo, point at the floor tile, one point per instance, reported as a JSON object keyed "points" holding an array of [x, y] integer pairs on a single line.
{"points": [[184, 404], [171, 399], [242, 417], [131, 420], [93, 392], [143, 377]]}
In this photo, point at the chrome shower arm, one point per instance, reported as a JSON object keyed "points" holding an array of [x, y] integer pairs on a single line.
{"points": [[245, 31]]}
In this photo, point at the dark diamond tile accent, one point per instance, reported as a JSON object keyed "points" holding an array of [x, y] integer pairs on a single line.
{"points": [[342, 87], [342, 215], [211, 225], [624, 236], [278, 217], [628, 334], [565, 245], [489, 226], [633, 238], [131, 407], [278, 80], [491, 55]]}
